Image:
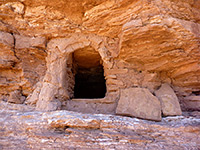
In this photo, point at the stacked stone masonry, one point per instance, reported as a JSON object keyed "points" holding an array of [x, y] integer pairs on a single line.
{"points": [[144, 45]]}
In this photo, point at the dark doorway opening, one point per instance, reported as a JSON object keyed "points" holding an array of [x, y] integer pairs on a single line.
{"points": [[89, 74]]}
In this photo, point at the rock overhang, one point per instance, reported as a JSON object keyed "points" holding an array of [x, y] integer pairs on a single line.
{"points": [[142, 44]]}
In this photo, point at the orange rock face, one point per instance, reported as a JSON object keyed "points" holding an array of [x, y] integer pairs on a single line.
{"points": [[141, 44], [83, 55]]}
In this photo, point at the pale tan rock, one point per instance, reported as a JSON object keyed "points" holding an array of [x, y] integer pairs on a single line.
{"points": [[28, 42], [132, 23], [16, 97], [34, 97], [169, 101], [139, 102], [192, 103], [94, 106], [111, 88], [48, 105], [151, 81], [114, 82], [6, 39], [17, 7]]}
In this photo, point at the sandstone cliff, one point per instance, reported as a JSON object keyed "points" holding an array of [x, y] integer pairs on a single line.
{"points": [[139, 58]]}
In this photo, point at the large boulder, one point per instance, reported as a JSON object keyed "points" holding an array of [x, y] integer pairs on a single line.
{"points": [[169, 101], [139, 102]]}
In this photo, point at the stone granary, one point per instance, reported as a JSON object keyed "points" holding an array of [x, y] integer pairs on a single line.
{"points": [[134, 58]]}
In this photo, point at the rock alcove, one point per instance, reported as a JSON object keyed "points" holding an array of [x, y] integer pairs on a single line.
{"points": [[89, 74], [142, 54], [84, 75], [78, 75], [134, 54]]}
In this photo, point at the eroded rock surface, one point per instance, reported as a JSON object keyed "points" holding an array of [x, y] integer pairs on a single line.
{"points": [[140, 44], [139, 102], [169, 101], [22, 129]]}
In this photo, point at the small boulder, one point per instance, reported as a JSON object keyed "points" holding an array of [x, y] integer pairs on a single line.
{"points": [[139, 102], [169, 101]]}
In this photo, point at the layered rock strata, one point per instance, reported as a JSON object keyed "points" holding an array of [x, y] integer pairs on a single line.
{"points": [[142, 44], [22, 129]]}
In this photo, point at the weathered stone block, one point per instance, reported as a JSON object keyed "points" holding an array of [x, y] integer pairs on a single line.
{"points": [[169, 101], [139, 102], [7, 39], [28, 42], [114, 82], [116, 71]]}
